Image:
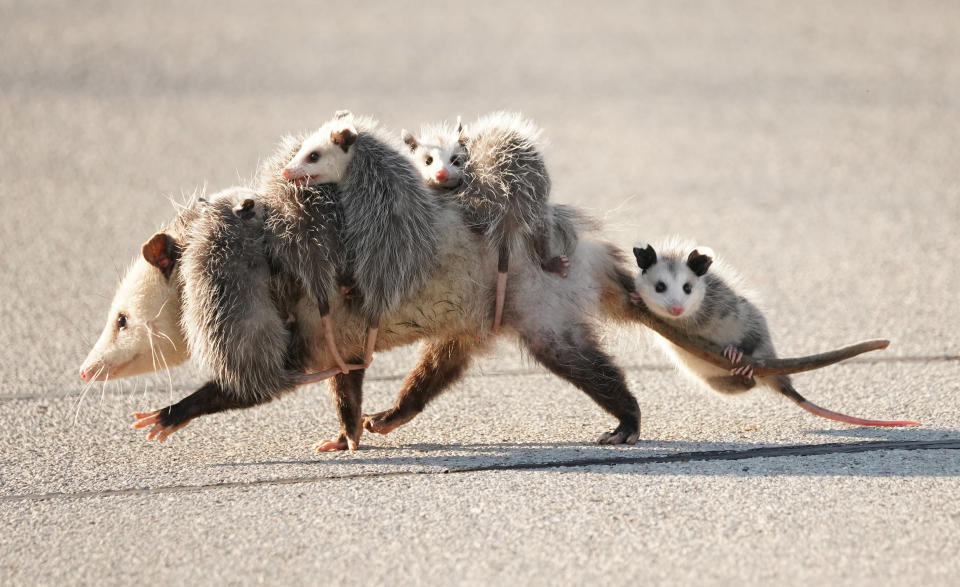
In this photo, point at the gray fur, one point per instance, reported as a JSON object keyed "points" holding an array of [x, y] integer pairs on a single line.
{"points": [[302, 226], [390, 220], [229, 311], [505, 184]]}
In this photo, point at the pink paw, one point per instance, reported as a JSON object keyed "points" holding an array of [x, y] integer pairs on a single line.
{"points": [[733, 354], [746, 371]]}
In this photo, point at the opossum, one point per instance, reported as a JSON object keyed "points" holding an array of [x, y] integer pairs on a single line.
{"points": [[390, 231], [447, 314], [496, 172], [676, 285]]}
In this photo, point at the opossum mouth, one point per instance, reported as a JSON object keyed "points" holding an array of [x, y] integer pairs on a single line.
{"points": [[307, 180], [448, 184]]}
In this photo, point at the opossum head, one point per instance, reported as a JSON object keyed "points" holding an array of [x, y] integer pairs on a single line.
{"points": [[440, 155], [671, 285], [143, 332], [324, 156]]}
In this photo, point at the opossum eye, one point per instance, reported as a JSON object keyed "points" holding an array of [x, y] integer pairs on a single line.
{"points": [[660, 287], [687, 288], [456, 161], [428, 160], [121, 321], [313, 157]]}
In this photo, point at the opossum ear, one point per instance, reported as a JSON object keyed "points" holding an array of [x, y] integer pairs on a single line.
{"points": [[344, 138], [700, 260], [409, 139], [646, 258], [461, 136], [162, 252], [340, 114]]}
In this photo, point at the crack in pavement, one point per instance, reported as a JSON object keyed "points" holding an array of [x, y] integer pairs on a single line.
{"points": [[800, 450]]}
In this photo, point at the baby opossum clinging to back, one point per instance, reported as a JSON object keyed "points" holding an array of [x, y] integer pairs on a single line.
{"points": [[677, 287], [390, 232], [497, 174]]}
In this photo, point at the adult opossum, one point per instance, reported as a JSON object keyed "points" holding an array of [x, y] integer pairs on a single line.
{"points": [[555, 320]]}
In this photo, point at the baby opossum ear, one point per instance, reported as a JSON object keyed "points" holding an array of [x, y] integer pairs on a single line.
{"points": [[344, 138], [700, 260], [341, 114], [461, 136], [162, 252], [646, 258], [409, 139]]}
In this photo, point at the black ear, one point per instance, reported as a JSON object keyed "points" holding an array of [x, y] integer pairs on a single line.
{"points": [[646, 258], [409, 139], [344, 138], [342, 114], [244, 210], [700, 260], [162, 252]]}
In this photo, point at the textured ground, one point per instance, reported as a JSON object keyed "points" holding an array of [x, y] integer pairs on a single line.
{"points": [[813, 145]]}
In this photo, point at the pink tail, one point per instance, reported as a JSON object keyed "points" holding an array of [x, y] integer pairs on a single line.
{"points": [[786, 388], [831, 415]]}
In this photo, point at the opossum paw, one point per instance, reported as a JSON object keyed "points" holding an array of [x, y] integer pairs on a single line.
{"points": [[160, 428], [733, 353], [558, 265], [622, 434], [746, 371], [332, 445], [385, 422], [634, 298]]}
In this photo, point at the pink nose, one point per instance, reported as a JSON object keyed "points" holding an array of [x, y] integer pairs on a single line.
{"points": [[83, 375], [286, 173], [676, 310], [442, 175]]}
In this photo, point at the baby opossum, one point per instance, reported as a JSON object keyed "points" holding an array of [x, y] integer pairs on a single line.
{"points": [[677, 287], [390, 218], [497, 174]]}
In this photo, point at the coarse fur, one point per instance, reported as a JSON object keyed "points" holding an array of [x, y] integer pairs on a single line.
{"points": [[230, 317], [390, 218], [503, 186]]}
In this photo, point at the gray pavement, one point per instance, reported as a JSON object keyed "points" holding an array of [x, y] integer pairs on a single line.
{"points": [[813, 145]]}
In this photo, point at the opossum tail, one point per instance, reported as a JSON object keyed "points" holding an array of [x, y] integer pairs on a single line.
{"points": [[231, 320], [782, 384]]}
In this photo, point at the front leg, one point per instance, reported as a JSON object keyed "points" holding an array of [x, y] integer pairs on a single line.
{"points": [[347, 392], [441, 365], [209, 399]]}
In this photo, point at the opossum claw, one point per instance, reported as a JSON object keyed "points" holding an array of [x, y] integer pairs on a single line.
{"points": [[619, 435], [159, 430], [332, 445], [385, 422]]}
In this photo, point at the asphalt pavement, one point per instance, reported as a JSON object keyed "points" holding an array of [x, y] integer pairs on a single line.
{"points": [[812, 145]]}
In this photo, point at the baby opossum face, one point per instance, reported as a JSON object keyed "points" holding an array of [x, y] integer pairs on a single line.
{"points": [[143, 332], [440, 159], [672, 287], [325, 155]]}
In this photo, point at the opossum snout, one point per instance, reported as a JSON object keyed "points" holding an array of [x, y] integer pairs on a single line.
{"points": [[287, 174], [442, 175], [83, 375], [675, 310]]}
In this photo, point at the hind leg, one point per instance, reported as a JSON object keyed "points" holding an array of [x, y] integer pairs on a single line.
{"points": [[575, 355], [347, 392], [209, 399], [558, 264], [441, 365], [502, 264]]}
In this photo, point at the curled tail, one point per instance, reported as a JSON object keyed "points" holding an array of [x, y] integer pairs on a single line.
{"points": [[232, 322], [783, 385]]}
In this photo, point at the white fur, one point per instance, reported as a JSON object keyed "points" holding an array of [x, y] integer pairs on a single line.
{"points": [[333, 162], [438, 154]]}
